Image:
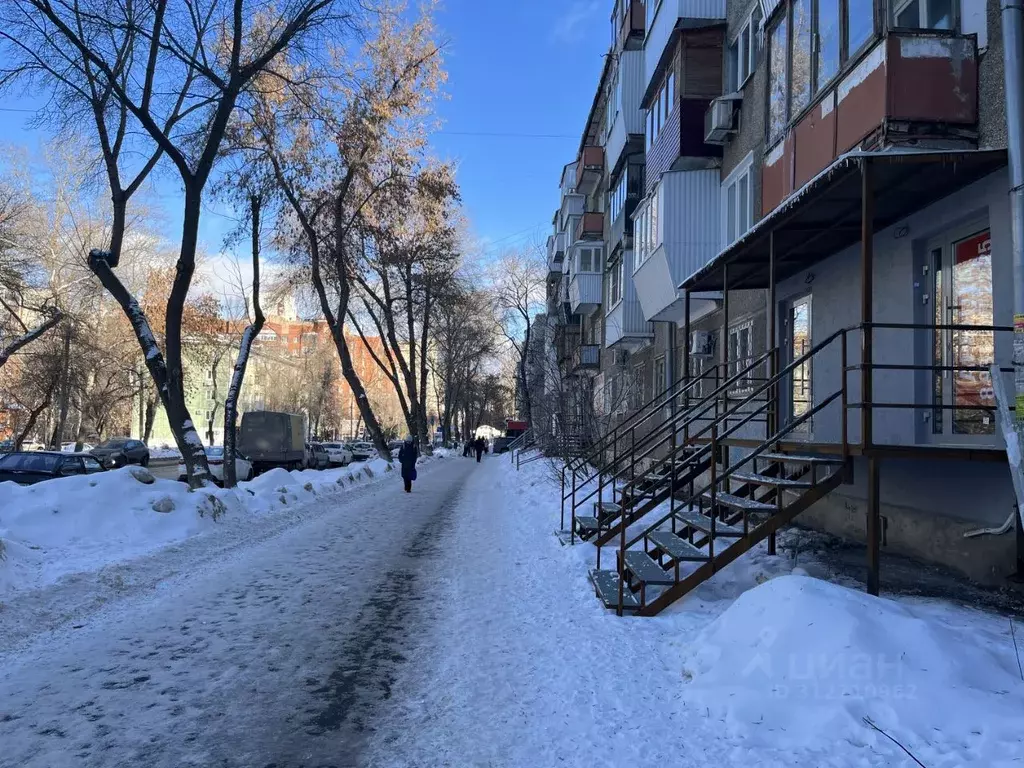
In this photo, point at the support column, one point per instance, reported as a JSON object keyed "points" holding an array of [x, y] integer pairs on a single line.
{"points": [[874, 520], [686, 345], [772, 420], [725, 364]]}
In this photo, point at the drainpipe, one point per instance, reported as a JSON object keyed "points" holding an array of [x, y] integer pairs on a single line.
{"points": [[1013, 69]]}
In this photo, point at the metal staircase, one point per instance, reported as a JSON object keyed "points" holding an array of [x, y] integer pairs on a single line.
{"points": [[714, 519]]}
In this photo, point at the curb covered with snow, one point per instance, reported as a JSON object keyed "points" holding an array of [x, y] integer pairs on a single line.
{"points": [[82, 524]]}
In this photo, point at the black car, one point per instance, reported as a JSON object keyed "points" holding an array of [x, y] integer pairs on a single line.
{"points": [[120, 451], [31, 467]]}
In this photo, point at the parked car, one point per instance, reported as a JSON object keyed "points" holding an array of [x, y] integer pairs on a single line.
{"points": [[317, 456], [361, 451], [338, 454], [215, 458], [121, 451], [70, 447], [6, 446], [31, 467], [271, 439]]}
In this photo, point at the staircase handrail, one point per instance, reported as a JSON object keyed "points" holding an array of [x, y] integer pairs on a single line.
{"points": [[670, 426], [731, 413], [642, 414]]}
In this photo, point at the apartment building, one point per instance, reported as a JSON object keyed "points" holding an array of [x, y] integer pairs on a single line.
{"points": [[820, 249]]}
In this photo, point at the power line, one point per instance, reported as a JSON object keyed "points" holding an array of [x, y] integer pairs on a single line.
{"points": [[15, 109], [497, 135]]}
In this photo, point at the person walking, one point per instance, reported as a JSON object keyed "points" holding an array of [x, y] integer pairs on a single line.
{"points": [[407, 456], [479, 445], [467, 448]]}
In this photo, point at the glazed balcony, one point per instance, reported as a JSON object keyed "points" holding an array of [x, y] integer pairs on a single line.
{"points": [[629, 16], [910, 88]]}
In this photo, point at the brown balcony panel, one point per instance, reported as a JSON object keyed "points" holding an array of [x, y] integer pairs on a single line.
{"points": [[927, 79], [590, 226], [589, 167]]}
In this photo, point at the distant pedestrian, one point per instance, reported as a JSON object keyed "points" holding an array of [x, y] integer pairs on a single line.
{"points": [[467, 447], [480, 445], [407, 456]]}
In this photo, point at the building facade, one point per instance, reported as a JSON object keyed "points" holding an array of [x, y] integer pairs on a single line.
{"points": [[765, 185]]}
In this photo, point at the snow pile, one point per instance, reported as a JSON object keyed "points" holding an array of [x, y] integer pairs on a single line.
{"points": [[797, 659], [78, 524]]}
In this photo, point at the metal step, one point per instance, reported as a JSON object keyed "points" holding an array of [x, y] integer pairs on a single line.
{"points": [[695, 519], [675, 547], [738, 502], [606, 509], [645, 569], [798, 459], [779, 482], [587, 524], [607, 585]]}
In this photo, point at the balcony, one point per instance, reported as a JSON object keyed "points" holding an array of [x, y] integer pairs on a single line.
{"points": [[586, 357], [693, 13], [911, 88], [556, 253], [590, 227], [631, 22], [589, 169], [688, 212], [567, 338], [584, 292], [624, 323], [628, 123]]}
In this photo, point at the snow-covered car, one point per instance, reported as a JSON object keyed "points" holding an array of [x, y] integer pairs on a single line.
{"points": [[215, 458], [361, 451], [338, 454]]}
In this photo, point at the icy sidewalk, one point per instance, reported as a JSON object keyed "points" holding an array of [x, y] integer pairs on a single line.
{"points": [[761, 666]]}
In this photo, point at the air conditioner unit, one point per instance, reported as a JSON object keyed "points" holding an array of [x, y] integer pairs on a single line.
{"points": [[720, 120], [702, 344], [621, 358]]}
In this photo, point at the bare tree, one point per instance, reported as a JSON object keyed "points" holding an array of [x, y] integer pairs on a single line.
{"points": [[518, 286], [331, 148], [173, 75], [244, 347]]}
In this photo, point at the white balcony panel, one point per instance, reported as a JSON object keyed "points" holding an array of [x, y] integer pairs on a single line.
{"points": [[631, 75], [568, 184], [695, 13], [691, 235], [584, 292], [572, 205]]}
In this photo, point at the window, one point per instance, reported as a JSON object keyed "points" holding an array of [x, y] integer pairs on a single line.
{"points": [[777, 78], [741, 353], [828, 42], [648, 237], [660, 385], [618, 197], [923, 14], [590, 259], [742, 54], [738, 204], [860, 23], [800, 65], [615, 278], [660, 109], [636, 388], [806, 48]]}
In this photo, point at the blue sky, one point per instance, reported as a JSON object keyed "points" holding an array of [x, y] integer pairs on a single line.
{"points": [[521, 69]]}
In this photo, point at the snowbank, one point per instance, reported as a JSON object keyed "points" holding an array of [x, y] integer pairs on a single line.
{"points": [[797, 658], [77, 524]]}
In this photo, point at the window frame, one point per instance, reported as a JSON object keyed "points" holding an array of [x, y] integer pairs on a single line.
{"points": [[735, 83], [782, 18], [922, 13], [744, 169], [736, 363]]}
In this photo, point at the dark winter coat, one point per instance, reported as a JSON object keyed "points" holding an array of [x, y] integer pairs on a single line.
{"points": [[407, 456]]}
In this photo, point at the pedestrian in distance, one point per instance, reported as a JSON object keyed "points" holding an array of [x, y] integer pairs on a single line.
{"points": [[407, 456], [479, 445], [467, 448]]}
